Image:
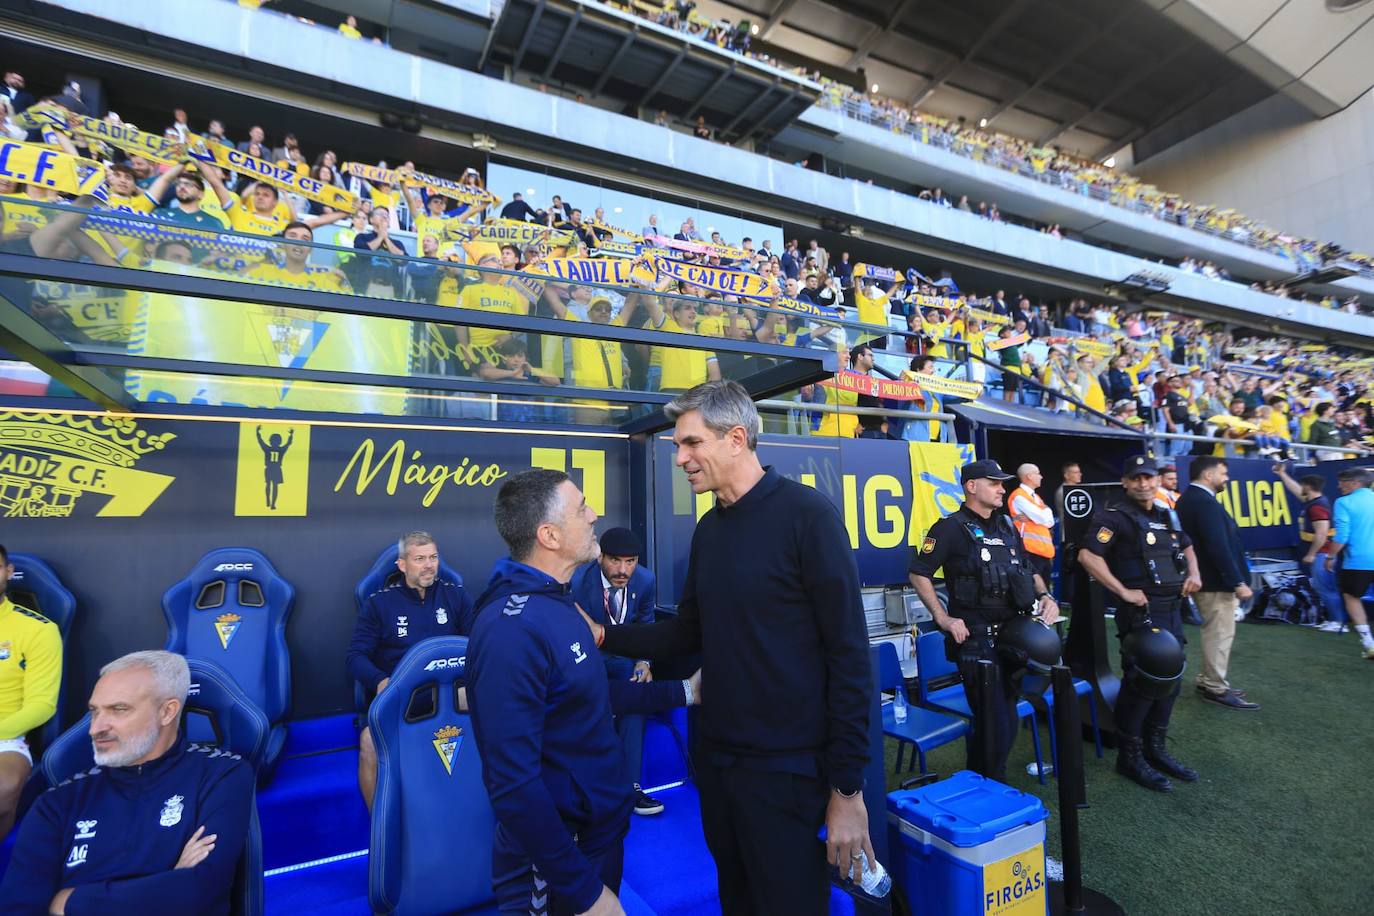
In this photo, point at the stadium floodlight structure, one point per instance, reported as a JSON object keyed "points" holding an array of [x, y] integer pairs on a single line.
{"points": [[205, 330]]}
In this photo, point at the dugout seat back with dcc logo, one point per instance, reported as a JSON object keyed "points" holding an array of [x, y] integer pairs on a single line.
{"points": [[431, 821], [233, 722], [35, 586], [382, 574], [231, 609]]}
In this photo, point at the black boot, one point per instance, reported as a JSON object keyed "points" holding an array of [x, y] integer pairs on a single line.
{"points": [[1130, 762], [1157, 753]]}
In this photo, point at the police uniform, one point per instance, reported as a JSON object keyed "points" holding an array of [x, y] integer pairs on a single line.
{"points": [[1144, 549], [989, 580]]}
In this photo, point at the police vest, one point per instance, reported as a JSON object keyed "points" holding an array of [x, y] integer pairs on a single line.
{"points": [[1037, 538], [994, 583], [1160, 564]]}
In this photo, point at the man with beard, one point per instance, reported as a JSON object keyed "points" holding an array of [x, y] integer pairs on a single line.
{"points": [[542, 710], [157, 827], [30, 674], [188, 208], [415, 605]]}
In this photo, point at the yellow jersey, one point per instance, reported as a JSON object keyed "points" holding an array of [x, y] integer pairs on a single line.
{"points": [[871, 311], [711, 326], [30, 669], [323, 279], [243, 218], [682, 368], [597, 363], [491, 297]]}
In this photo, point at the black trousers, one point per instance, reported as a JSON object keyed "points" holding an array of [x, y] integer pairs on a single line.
{"points": [[761, 827], [1133, 711], [1000, 715], [521, 889]]}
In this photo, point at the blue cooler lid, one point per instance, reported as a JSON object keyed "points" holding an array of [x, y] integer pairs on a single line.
{"points": [[966, 809]]}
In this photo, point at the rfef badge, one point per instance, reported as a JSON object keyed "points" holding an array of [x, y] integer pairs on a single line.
{"points": [[1015, 886]]}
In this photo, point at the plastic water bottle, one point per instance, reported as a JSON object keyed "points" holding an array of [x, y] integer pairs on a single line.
{"points": [[899, 704], [875, 883]]}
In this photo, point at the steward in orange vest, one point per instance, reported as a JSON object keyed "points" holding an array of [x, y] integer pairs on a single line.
{"points": [[1034, 520]]}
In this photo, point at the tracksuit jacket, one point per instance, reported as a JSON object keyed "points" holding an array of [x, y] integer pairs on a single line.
{"points": [[542, 715], [116, 833]]}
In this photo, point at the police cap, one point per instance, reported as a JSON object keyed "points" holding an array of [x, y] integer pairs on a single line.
{"points": [[1140, 464], [977, 470]]}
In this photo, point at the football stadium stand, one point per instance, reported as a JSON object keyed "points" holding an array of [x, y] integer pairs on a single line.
{"points": [[304, 275]]}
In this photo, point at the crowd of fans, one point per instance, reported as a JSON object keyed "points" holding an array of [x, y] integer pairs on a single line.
{"points": [[1141, 369], [1094, 179], [1044, 163]]}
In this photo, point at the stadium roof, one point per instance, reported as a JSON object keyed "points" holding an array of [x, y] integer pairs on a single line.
{"points": [[1086, 75]]}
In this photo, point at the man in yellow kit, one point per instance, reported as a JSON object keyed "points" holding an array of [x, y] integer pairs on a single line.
{"points": [[30, 673], [1034, 521]]}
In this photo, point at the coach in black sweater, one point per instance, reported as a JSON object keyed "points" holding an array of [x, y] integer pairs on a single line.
{"points": [[772, 602]]}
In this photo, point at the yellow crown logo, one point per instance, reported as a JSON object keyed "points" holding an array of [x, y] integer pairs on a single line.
{"points": [[228, 618], [104, 438], [447, 732]]}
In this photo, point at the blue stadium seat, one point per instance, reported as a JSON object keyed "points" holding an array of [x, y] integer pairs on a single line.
{"points": [[924, 729], [231, 609], [931, 665], [381, 574], [431, 821], [35, 586], [234, 723]]}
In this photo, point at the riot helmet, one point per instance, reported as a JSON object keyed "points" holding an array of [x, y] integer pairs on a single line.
{"points": [[1025, 642], [1154, 662]]}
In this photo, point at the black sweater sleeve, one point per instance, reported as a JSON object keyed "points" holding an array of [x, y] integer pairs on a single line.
{"points": [[667, 638], [831, 578]]}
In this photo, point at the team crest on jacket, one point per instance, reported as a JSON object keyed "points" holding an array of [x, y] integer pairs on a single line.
{"points": [[226, 625], [440, 616], [5, 649], [1104, 534], [446, 741], [171, 811]]}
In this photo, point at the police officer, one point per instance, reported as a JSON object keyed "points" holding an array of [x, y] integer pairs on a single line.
{"points": [[1139, 555], [990, 580]]}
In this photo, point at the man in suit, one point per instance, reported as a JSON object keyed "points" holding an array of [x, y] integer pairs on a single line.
{"points": [[1225, 576], [616, 591], [20, 98]]}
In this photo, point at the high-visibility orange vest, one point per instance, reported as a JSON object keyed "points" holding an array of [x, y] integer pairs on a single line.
{"points": [[1165, 498], [1036, 537]]}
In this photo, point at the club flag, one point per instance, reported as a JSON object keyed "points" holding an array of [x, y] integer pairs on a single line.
{"points": [[30, 163], [720, 279], [989, 317], [281, 177], [1012, 341], [473, 197], [935, 488]]}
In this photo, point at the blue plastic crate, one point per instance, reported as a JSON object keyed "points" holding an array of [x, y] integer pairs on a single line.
{"points": [[968, 845]]}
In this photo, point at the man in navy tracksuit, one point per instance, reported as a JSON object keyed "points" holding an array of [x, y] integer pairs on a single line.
{"points": [[615, 590], [157, 827], [542, 710], [393, 620]]}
